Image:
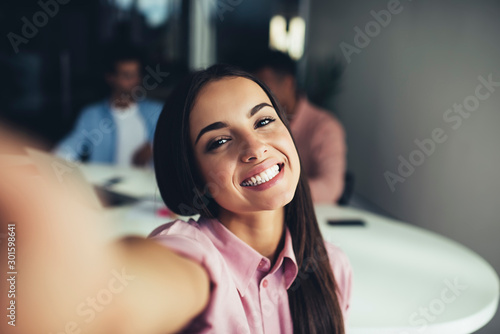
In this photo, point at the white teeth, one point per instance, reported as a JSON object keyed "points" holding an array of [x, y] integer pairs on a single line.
{"points": [[263, 177]]}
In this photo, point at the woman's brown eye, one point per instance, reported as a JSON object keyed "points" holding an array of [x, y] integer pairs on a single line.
{"points": [[264, 122], [216, 143]]}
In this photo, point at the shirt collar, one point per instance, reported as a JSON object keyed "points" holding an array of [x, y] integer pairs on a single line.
{"points": [[243, 261], [131, 109]]}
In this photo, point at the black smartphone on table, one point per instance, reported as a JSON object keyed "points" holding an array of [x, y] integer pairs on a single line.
{"points": [[346, 222]]}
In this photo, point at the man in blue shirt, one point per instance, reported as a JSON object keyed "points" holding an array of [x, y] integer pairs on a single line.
{"points": [[118, 130]]}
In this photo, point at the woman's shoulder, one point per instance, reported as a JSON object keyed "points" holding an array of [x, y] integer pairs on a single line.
{"points": [[177, 227], [340, 264], [186, 238], [337, 256], [342, 271]]}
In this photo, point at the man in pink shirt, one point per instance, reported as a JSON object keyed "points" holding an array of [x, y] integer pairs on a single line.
{"points": [[319, 136]]}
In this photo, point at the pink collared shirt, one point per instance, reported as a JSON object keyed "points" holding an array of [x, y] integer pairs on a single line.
{"points": [[247, 295], [320, 140]]}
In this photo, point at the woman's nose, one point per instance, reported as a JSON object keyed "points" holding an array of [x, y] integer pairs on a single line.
{"points": [[252, 149]]}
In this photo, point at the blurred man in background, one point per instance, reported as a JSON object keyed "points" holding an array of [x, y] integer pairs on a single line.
{"points": [[319, 136], [120, 129]]}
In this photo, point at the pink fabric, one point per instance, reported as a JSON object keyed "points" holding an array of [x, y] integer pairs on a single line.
{"points": [[247, 295], [320, 140]]}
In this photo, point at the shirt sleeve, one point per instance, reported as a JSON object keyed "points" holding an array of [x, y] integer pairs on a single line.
{"points": [[329, 150], [188, 241], [73, 145], [342, 271]]}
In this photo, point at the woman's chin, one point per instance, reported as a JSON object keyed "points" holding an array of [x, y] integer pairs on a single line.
{"points": [[257, 201], [274, 202]]}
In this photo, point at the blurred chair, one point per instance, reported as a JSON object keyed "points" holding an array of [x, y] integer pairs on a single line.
{"points": [[348, 189]]}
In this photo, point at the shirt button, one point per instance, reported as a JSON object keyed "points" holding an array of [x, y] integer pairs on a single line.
{"points": [[265, 283]]}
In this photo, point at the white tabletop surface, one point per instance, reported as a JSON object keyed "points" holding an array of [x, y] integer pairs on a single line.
{"points": [[406, 279], [402, 275]]}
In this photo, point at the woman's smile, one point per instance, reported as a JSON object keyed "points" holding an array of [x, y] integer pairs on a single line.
{"points": [[265, 179]]}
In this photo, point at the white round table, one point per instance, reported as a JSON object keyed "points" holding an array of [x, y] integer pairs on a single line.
{"points": [[405, 279], [409, 280]]}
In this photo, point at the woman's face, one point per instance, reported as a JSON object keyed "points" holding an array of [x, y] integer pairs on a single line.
{"points": [[243, 150]]}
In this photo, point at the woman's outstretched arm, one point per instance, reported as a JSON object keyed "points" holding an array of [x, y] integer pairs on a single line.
{"points": [[66, 275], [167, 290]]}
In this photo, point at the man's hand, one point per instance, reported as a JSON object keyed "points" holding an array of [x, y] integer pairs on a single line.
{"points": [[143, 155]]}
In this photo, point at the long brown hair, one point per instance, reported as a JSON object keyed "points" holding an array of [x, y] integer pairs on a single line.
{"points": [[312, 297]]}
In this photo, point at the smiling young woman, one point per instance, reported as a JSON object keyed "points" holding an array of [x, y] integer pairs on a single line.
{"points": [[223, 150], [254, 262]]}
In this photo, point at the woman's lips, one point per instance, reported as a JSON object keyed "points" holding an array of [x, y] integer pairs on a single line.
{"points": [[267, 184], [262, 177], [256, 170]]}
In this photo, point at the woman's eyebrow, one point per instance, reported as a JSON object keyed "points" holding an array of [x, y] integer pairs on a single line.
{"points": [[220, 125], [255, 109], [211, 127]]}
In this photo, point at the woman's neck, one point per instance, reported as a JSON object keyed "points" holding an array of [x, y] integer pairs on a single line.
{"points": [[263, 230]]}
